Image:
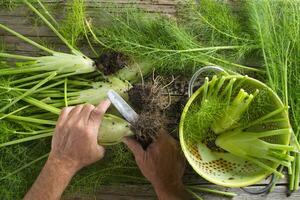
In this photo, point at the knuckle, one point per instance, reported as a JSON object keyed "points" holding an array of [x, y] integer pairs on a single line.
{"points": [[79, 127], [90, 107], [64, 109], [78, 108]]}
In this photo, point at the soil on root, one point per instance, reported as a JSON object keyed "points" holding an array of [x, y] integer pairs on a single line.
{"points": [[156, 108], [111, 62]]}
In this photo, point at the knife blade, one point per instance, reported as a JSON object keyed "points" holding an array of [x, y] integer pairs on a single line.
{"points": [[123, 107]]}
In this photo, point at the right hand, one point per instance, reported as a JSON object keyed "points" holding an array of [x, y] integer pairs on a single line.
{"points": [[162, 163], [75, 139]]}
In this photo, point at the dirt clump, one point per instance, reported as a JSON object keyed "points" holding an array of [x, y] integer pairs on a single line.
{"points": [[111, 62]]}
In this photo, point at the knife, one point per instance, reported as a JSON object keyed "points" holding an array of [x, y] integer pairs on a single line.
{"points": [[123, 107], [127, 112]]}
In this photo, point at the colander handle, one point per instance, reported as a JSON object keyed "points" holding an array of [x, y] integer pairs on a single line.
{"points": [[264, 190], [215, 69]]}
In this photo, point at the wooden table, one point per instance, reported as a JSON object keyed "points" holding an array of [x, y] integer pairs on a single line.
{"points": [[21, 20]]}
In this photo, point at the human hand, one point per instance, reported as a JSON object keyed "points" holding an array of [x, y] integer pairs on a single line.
{"points": [[162, 163], [74, 144]]}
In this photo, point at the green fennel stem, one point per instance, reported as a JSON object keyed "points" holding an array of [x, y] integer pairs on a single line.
{"points": [[26, 39], [29, 119], [7, 55], [30, 78], [29, 92], [52, 28], [34, 132], [66, 92], [195, 195], [19, 71], [14, 112], [47, 13], [42, 105], [26, 139], [55, 78]]}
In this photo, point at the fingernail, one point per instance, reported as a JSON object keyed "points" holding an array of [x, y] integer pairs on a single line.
{"points": [[107, 102], [103, 105]]}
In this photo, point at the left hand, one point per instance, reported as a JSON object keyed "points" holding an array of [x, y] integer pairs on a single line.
{"points": [[162, 163], [74, 144]]}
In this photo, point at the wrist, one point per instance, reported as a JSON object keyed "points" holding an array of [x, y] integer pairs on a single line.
{"points": [[63, 165], [170, 191]]}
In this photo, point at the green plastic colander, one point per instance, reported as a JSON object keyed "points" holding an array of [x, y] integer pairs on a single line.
{"points": [[217, 165]]}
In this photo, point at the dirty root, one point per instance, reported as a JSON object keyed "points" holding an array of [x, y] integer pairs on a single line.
{"points": [[152, 100]]}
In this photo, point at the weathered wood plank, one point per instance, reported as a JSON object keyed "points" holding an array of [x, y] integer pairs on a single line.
{"points": [[22, 20], [29, 30], [142, 192], [163, 6]]}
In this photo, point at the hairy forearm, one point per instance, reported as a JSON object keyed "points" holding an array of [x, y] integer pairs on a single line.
{"points": [[52, 181]]}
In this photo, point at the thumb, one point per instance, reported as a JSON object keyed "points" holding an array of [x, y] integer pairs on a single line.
{"points": [[134, 146], [98, 113]]}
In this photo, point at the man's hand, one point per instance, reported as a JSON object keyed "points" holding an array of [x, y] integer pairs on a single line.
{"points": [[162, 163], [74, 146], [75, 140]]}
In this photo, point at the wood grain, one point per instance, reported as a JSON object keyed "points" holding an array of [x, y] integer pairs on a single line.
{"points": [[22, 20], [145, 192]]}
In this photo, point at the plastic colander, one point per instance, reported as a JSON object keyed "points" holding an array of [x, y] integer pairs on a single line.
{"points": [[221, 167]]}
